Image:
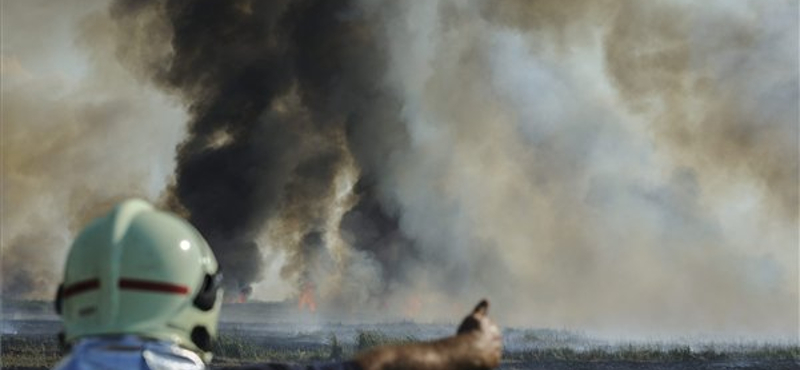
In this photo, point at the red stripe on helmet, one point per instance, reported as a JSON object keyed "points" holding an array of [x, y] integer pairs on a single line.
{"points": [[81, 287], [153, 286]]}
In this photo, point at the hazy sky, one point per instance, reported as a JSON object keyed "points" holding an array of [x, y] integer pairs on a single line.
{"points": [[78, 132]]}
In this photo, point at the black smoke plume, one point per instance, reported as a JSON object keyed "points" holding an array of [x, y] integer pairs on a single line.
{"points": [[275, 90]]}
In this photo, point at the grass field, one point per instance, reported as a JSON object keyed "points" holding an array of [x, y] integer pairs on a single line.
{"points": [[237, 348], [29, 342]]}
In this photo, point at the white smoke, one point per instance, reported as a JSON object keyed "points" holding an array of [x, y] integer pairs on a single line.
{"points": [[79, 132], [544, 169]]}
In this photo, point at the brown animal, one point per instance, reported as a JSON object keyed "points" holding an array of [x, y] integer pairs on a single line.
{"points": [[477, 345]]}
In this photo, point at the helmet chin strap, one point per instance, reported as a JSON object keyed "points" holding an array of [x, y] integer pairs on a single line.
{"points": [[59, 301], [201, 338], [207, 294], [204, 300], [62, 342]]}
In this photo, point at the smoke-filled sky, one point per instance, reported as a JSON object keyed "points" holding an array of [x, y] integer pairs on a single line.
{"points": [[621, 167]]}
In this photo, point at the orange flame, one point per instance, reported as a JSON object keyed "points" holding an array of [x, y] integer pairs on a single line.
{"points": [[413, 306], [307, 298], [244, 294]]}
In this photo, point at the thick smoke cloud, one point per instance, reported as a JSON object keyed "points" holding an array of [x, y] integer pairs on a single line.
{"points": [[78, 134], [272, 89], [617, 166], [732, 92], [623, 167]]}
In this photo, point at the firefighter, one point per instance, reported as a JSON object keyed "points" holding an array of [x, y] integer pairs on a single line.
{"points": [[142, 290]]}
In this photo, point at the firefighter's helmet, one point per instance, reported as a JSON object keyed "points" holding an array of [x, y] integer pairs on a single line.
{"points": [[140, 271]]}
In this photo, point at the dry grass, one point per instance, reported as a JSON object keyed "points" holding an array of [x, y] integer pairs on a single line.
{"points": [[42, 352]]}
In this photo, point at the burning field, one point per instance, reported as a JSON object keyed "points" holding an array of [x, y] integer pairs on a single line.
{"points": [[627, 169], [277, 332]]}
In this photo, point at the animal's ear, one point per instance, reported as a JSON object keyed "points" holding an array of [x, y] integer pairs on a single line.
{"points": [[471, 322], [482, 309]]}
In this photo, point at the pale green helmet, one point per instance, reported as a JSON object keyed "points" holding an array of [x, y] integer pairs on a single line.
{"points": [[143, 272]]}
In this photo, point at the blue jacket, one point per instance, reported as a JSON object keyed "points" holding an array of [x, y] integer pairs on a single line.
{"points": [[134, 353]]}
